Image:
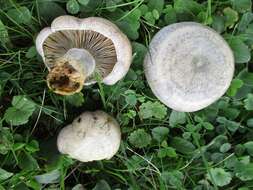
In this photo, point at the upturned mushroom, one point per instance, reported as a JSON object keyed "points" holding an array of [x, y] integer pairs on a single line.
{"points": [[188, 66], [91, 136], [76, 50]]}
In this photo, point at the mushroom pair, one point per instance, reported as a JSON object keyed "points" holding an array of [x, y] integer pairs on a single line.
{"points": [[188, 67], [77, 52]]}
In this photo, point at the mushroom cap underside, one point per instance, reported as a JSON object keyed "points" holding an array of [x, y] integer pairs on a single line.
{"points": [[92, 30], [188, 66]]}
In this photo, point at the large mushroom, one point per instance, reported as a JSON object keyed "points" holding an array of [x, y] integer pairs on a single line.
{"points": [[91, 136], [188, 66], [76, 50]]}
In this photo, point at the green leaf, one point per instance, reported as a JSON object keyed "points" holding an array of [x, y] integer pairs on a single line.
{"points": [[170, 15], [78, 187], [4, 36], [160, 133], [22, 108], [140, 138], [231, 17], [27, 162], [225, 147], [250, 122], [32, 146], [248, 103], [21, 15], [32, 52], [167, 152], [244, 171], [102, 185], [182, 145], [131, 99], [76, 99], [188, 6], [249, 147], [242, 5], [73, 6], [153, 109], [156, 4], [246, 19], [84, 2], [220, 176], [240, 49], [49, 10], [177, 118], [4, 174], [139, 54], [49, 177], [234, 87], [174, 178], [208, 126]]}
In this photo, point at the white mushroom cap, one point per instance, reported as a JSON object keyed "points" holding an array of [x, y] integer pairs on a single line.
{"points": [[91, 136], [189, 66], [92, 27]]}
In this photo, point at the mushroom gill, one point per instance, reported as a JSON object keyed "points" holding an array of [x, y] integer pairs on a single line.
{"points": [[99, 46]]}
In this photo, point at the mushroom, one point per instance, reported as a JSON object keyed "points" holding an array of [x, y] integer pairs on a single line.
{"points": [[91, 136], [76, 50], [188, 66]]}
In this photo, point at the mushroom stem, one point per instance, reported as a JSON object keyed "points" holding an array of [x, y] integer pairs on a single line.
{"points": [[70, 71]]}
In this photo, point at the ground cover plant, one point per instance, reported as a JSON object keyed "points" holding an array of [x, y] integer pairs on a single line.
{"points": [[160, 148]]}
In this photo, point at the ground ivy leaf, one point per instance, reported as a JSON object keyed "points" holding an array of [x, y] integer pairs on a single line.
{"points": [[244, 171], [102, 185], [173, 178], [220, 176], [246, 19], [84, 2], [140, 138], [22, 15], [160, 133], [156, 5], [167, 152], [240, 49], [177, 118], [250, 122], [248, 103], [225, 147], [21, 110], [182, 145], [4, 174], [152, 109]]}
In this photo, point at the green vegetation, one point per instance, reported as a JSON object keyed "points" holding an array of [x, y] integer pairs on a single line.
{"points": [[161, 149]]}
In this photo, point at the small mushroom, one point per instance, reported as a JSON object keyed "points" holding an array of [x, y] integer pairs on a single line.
{"points": [[91, 136], [189, 66], [76, 50]]}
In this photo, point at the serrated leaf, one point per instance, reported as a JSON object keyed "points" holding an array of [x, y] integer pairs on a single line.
{"points": [[140, 138], [4, 174], [22, 108], [21, 15], [160, 133], [244, 171], [167, 152], [220, 176], [152, 109], [240, 49], [173, 178], [177, 118]]}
